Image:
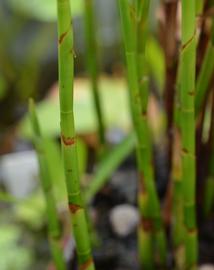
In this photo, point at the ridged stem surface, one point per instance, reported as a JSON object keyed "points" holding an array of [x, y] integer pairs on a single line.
{"points": [[148, 200], [68, 136], [187, 98], [92, 65]]}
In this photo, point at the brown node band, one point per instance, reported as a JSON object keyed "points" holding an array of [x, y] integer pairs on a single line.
{"points": [[68, 140], [191, 93], [188, 41], [147, 224], [185, 151], [62, 37], [74, 207], [86, 264]]}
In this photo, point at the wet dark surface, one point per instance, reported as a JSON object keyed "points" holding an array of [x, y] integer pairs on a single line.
{"points": [[120, 253]]}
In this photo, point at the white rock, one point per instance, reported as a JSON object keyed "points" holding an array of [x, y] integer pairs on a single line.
{"points": [[124, 219], [206, 267], [19, 172]]}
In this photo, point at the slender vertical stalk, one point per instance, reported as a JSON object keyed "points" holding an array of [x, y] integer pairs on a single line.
{"points": [[209, 186], [188, 61], [143, 8], [145, 236], [177, 217], [92, 64], [54, 229], [68, 137], [176, 176], [205, 74], [148, 200]]}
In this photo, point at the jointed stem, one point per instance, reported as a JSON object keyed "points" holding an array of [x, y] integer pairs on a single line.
{"points": [[68, 137], [148, 200], [54, 229], [205, 75], [188, 59], [92, 65]]}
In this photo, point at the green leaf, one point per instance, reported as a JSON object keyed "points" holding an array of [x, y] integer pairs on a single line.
{"points": [[43, 10], [13, 255], [84, 113], [32, 211]]}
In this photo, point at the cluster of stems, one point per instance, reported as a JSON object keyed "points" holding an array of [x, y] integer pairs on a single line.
{"points": [[134, 34], [191, 94], [68, 136], [54, 228]]}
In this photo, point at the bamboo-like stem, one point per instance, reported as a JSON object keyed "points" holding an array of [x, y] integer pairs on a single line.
{"points": [[68, 137], [176, 176], [209, 186], [92, 65], [205, 75], [188, 61], [54, 229], [145, 236], [177, 217], [148, 200], [143, 8]]}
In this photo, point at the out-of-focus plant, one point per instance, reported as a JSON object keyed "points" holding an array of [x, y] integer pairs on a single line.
{"points": [[11, 251], [44, 11]]}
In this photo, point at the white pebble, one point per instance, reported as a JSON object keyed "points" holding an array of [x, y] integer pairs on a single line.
{"points": [[124, 219], [206, 267]]}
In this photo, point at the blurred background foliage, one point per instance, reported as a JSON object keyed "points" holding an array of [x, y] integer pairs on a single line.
{"points": [[28, 68]]}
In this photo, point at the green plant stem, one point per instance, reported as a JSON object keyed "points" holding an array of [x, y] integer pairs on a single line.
{"points": [[92, 65], [188, 61], [108, 165], [177, 214], [54, 229], [145, 237], [143, 83], [148, 200], [205, 75], [199, 7], [209, 186], [68, 137]]}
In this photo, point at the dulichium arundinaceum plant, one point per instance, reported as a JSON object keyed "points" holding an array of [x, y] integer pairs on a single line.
{"points": [[168, 230]]}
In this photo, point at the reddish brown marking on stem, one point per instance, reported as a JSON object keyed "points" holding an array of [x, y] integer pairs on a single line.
{"points": [[188, 42], [68, 140], [86, 265], [74, 207], [185, 151], [146, 224], [62, 37], [191, 230], [191, 93], [142, 188], [144, 113]]}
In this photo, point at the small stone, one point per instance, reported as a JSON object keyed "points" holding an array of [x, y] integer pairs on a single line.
{"points": [[124, 219], [206, 267]]}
